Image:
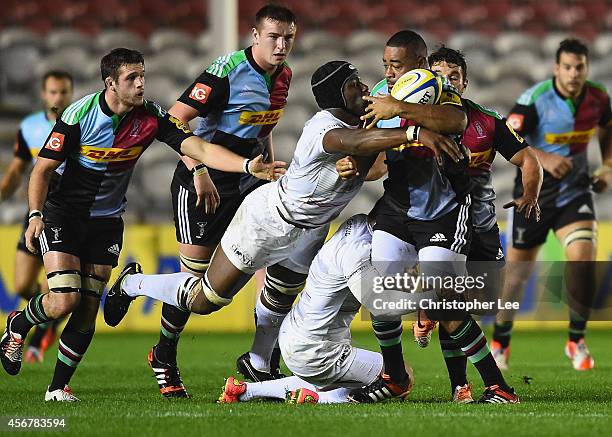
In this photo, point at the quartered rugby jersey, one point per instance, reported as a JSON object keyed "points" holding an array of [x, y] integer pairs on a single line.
{"points": [[486, 132], [415, 180], [33, 131], [239, 104], [100, 150], [555, 124]]}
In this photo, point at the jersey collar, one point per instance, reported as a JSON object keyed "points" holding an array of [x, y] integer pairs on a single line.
{"points": [[573, 105], [103, 105], [269, 79]]}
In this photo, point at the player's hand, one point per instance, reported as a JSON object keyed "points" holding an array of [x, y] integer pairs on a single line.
{"points": [[528, 204], [439, 144], [206, 191], [347, 168], [558, 166], [602, 178], [267, 171], [380, 108], [35, 228]]}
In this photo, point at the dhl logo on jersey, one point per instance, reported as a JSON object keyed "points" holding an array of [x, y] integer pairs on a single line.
{"points": [[479, 158], [261, 117], [102, 154], [570, 137]]}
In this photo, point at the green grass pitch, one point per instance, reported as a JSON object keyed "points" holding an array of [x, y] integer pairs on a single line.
{"points": [[119, 394]]}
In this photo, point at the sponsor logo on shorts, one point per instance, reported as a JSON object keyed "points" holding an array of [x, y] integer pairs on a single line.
{"points": [[56, 142], [516, 121], [500, 254], [104, 154], [261, 117], [520, 233], [114, 249], [244, 258], [346, 352], [200, 92], [584, 209], [201, 226], [437, 238], [56, 236]]}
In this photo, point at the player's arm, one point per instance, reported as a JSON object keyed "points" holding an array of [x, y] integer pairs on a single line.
{"points": [[178, 136], [446, 118], [361, 142], [17, 168], [62, 140], [514, 149], [602, 177]]}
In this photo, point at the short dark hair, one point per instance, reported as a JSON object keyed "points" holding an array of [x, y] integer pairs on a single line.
{"points": [[274, 12], [57, 74], [572, 45], [407, 39], [111, 63], [450, 56]]}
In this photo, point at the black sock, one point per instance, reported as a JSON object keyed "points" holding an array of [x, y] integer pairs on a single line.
{"points": [[73, 344], [577, 328], [473, 343], [502, 333], [37, 336], [389, 336], [33, 314], [455, 359], [173, 321]]}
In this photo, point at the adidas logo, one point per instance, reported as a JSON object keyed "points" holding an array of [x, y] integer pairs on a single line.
{"points": [[437, 238], [114, 249], [584, 209]]}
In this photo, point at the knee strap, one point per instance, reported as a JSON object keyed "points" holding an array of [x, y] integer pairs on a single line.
{"points": [[580, 234], [198, 266], [64, 281], [92, 285]]}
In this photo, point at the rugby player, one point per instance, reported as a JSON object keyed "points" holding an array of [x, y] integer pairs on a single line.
{"points": [[100, 138], [281, 226], [315, 337], [56, 94], [240, 98], [558, 117], [423, 205]]}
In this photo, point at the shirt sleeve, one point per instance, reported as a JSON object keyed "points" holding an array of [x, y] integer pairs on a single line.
{"points": [[523, 118], [63, 140], [21, 149], [207, 93], [172, 131], [607, 112], [506, 140]]}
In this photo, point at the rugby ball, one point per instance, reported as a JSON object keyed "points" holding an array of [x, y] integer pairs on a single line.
{"points": [[418, 86]]}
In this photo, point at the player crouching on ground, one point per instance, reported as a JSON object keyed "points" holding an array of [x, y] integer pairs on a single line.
{"points": [[315, 337]]}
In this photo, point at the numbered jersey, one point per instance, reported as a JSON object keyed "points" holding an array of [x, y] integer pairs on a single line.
{"points": [[486, 133], [415, 180], [239, 105], [558, 125], [100, 150]]}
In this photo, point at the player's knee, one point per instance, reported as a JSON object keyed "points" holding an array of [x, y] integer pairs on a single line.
{"points": [[281, 288], [202, 299], [193, 265], [92, 286], [64, 287]]}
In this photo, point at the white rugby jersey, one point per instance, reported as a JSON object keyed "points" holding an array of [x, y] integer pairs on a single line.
{"points": [[326, 306], [311, 192]]}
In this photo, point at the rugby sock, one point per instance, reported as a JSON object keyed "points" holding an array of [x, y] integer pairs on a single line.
{"points": [[473, 343], [268, 323], [337, 396], [502, 333], [33, 314], [173, 321], [165, 288], [577, 328], [275, 388], [389, 337], [37, 336], [455, 359], [72, 346]]}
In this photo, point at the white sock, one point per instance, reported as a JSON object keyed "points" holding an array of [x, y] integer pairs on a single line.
{"points": [[275, 388], [266, 336], [336, 396], [160, 287]]}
